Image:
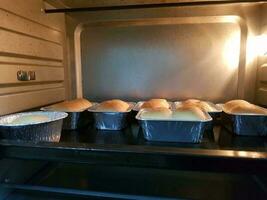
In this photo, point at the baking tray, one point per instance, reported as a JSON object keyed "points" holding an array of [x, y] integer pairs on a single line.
{"points": [[247, 124], [111, 120], [173, 130], [75, 120], [49, 131], [215, 115]]}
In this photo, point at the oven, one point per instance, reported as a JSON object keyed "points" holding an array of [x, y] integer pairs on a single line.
{"points": [[134, 50]]}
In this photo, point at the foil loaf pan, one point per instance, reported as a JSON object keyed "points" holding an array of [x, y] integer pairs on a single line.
{"points": [[247, 124], [111, 120], [75, 120], [137, 108], [45, 131], [215, 114], [173, 130]]}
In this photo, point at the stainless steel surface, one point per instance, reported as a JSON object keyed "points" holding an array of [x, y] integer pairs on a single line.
{"points": [[249, 23], [49, 130], [165, 58], [92, 6], [111, 120], [173, 130]]}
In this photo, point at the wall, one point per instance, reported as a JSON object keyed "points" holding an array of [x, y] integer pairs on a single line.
{"points": [[242, 86], [138, 60], [33, 41]]}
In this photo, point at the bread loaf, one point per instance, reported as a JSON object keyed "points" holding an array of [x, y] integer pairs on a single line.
{"points": [[181, 114], [191, 101], [157, 113], [243, 107], [114, 105], [189, 112], [197, 103], [156, 103], [77, 105], [230, 104]]}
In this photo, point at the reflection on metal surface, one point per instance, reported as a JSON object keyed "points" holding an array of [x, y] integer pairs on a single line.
{"points": [[261, 44], [256, 46], [140, 59], [32, 126], [231, 51], [247, 154], [60, 6]]}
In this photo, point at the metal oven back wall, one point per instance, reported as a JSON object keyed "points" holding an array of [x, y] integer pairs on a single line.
{"points": [[175, 61], [175, 53]]}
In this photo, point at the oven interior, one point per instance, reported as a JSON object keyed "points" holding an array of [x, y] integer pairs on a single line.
{"points": [[52, 51]]}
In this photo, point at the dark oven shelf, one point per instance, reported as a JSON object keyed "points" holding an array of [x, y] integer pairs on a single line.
{"points": [[72, 180], [219, 151]]}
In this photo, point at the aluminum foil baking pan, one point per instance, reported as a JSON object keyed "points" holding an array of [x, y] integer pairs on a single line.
{"points": [[215, 115], [173, 130], [137, 108], [49, 131], [75, 120], [111, 120], [247, 124]]}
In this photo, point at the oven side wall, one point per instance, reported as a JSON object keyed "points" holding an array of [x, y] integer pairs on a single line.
{"points": [[261, 94], [30, 40]]}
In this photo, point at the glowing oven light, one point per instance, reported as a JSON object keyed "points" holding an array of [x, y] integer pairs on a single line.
{"points": [[257, 46], [231, 51], [261, 44]]}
